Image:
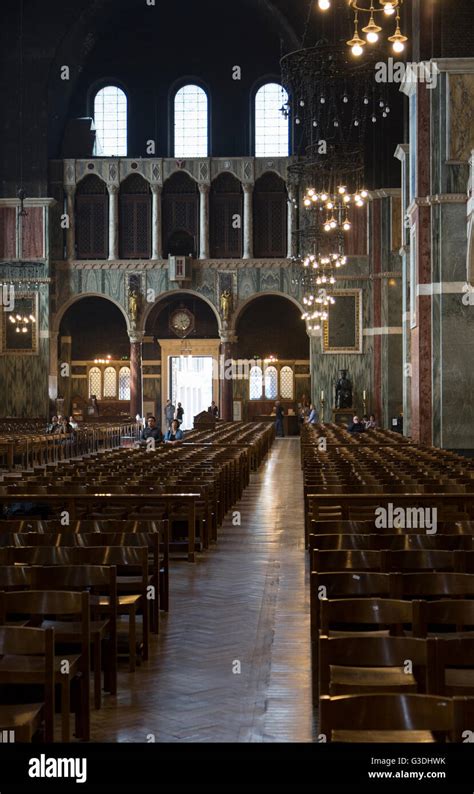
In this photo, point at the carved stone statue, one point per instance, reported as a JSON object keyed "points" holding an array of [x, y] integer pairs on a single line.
{"points": [[133, 306], [226, 304], [343, 390]]}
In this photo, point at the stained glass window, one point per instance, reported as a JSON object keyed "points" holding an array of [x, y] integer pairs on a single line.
{"points": [[271, 126], [191, 122], [95, 382], [286, 383], [255, 383], [271, 383], [124, 383], [110, 382], [110, 117]]}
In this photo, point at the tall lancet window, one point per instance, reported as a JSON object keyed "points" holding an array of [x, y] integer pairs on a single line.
{"points": [[110, 117], [191, 122], [271, 127]]}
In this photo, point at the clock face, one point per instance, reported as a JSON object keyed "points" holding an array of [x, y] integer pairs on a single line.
{"points": [[182, 322]]}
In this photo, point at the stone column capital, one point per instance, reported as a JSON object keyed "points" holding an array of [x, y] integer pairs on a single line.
{"points": [[204, 187], [113, 189], [248, 187], [228, 337], [155, 188], [136, 337]]}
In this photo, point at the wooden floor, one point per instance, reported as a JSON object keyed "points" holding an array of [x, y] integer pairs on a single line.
{"points": [[245, 601]]}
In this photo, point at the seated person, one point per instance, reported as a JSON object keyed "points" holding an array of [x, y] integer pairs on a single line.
{"points": [[313, 417], [63, 428], [151, 430], [54, 424], [370, 423], [174, 435], [356, 426], [73, 423]]}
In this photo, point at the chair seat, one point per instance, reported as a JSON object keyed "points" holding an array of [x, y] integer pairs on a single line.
{"points": [[376, 633], [390, 737], [30, 669], [459, 677], [72, 632], [371, 679], [24, 719]]}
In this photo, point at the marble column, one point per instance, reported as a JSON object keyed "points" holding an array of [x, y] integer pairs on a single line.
{"points": [[156, 225], [71, 231], [113, 221], [292, 215], [136, 375], [53, 365], [64, 374], [248, 221], [225, 374], [204, 221]]}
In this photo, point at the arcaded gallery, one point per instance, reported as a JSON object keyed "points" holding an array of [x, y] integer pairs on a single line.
{"points": [[236, 394]]}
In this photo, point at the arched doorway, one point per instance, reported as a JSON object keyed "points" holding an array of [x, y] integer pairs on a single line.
{"points": [[94, 359], [272, 338], [181, 356]]}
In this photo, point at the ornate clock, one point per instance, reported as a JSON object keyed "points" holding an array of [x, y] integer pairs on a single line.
{"points": [[182, 322]]}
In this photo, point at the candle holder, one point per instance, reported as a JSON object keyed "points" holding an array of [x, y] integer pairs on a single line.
{"points": [[322, 403]]}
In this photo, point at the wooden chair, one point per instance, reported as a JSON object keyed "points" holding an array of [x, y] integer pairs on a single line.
{"points": [[382, 616], [364, 664], [27, 657], [100, 580], [72, 629], [395, 718], [455, 665]]}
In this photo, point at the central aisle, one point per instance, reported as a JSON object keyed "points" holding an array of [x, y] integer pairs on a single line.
{"points": [[243, 606]]}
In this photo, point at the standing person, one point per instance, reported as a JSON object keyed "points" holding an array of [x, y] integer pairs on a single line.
{"points": [[169, 412], [213, 409], [279, 414], [179, 413]]}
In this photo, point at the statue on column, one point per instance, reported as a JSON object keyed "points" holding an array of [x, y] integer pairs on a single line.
{"points": [[226, 305], [343, 391], [133, 307]]}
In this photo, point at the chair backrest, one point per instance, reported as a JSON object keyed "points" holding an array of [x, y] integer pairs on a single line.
{"points": [[426, 585], [453, 613], [347, 560], [14, 577], [389, 712], [360, 613]]}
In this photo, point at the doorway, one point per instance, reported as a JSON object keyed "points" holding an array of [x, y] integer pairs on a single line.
{"points": [[191, 385]]}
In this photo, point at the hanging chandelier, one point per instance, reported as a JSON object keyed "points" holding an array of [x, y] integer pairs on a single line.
{"points": [[334, 206], [374, 9]]}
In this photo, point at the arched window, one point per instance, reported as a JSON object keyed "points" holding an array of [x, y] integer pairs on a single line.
{"points": [[110, 117], [270, 217], [191, 122], [92, 219], [271, 383], [124, 383], [271, 126], [180, 215], [135, 218], [95, 382], [255, 383], [286, 383], [110, 382], [226, 213]]}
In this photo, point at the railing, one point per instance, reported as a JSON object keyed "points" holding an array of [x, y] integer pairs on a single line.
{"points": [[24, 452]]}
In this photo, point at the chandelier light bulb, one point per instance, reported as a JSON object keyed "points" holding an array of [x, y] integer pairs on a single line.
{"points": [[346, 226], [374, 118], [398, 46], [366, 100], [324, 196], [345, 99], [327, 227], [356, 122], [333, 224], [372, 37], [346, 199], [324, 5], [364, 193], [307, 202], [389, 9], [297, 121], [302, 103], [315, 123], [322, 100], [336, 123], [357, 50], [329, 205]]}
